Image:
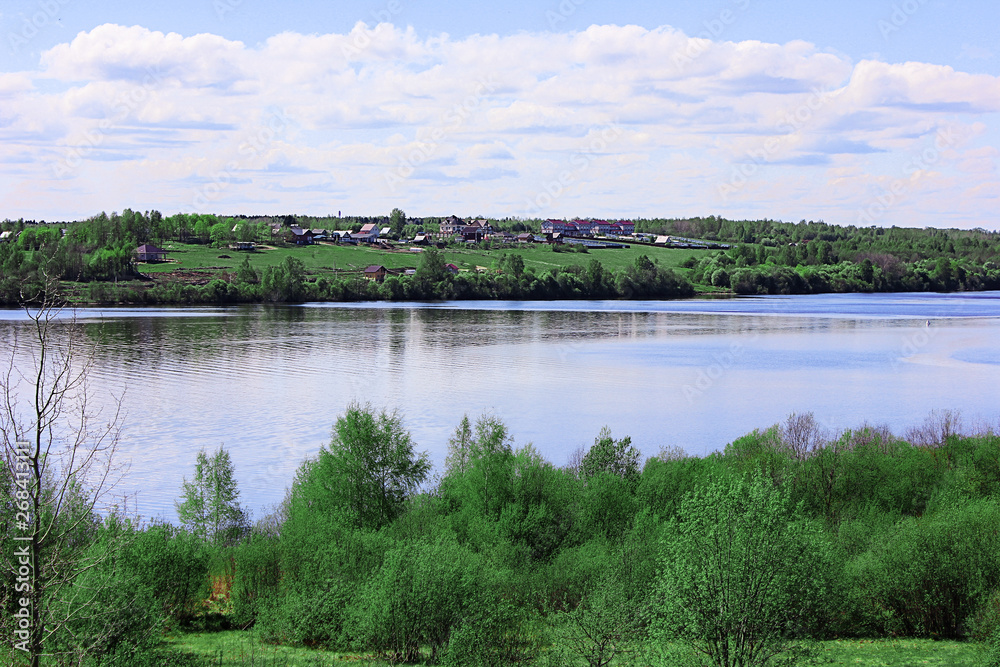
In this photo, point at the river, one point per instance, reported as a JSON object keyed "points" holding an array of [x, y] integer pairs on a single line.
{"points": [[268, 382]]}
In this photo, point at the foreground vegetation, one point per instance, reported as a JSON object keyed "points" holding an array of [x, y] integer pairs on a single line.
{"points": [[234, 648], [94, 258], [792, 546]]}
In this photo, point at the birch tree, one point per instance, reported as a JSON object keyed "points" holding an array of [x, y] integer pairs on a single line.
{"points": [[211, 507], [60, 475]]}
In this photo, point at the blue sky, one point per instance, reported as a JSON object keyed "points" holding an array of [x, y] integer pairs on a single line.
{"points": [[854, 112]]}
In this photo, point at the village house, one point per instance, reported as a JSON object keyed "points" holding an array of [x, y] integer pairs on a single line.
{"points": [[594, 227], [299, 236], [474, 233], [588, 227], [482, 224], [150, 253], [627, 226], [368, 234], [452, 225], [561, 227], [375, 272]]}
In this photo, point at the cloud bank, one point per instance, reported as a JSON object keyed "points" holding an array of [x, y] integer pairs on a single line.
{"points": [[610, 121]]}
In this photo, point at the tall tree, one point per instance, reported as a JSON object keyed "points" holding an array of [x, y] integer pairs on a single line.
{"points": [[211, 507], [480, 463], [617, 457], [59, 467], [368, 470], [397, 220], [742, 574]]}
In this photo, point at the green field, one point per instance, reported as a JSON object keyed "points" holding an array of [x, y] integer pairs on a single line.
{"points": [[328, 258], [241, 649]]}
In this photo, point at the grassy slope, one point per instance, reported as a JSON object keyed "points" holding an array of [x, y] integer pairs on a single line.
{"points": [[326, 258]]}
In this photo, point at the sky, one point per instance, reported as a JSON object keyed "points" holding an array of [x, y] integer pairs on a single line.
{"points": [[855, 112]]}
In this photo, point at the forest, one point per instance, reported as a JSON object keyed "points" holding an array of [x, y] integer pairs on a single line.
{"points": [[94, 260], [772, 257], [754, 555]]}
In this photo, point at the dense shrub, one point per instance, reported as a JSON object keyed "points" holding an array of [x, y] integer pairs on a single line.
{"points": [[927, 575]]}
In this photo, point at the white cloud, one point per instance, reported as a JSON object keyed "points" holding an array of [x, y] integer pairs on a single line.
{"points": [[502, 116]]}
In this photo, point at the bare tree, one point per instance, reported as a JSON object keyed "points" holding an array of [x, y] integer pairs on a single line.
{"points": [[936, 429], [58, 453], [576, 460], [671, 453], [803, 435]]}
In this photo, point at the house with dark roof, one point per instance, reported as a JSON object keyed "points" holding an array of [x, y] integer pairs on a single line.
{"points": [[473, 233], [150, 253], [299, 236], [452, 225], [375, 272]]}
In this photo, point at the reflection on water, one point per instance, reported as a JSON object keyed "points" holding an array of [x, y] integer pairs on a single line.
{"points": [[269, 381]]}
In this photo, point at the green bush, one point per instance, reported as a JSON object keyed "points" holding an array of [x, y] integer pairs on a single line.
{"points": [[992, 657], [306, 614], [495, 632], [415, 599], [257, 575], [743, 576], [172, 564], [926, 576]]}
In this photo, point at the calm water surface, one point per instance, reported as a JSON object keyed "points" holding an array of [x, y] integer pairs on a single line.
{"points": [[268, 382]]}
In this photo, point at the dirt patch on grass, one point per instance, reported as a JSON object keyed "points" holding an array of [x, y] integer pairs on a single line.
{"points": [[191, 277]]}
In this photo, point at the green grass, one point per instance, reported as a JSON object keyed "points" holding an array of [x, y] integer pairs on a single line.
{"points": [[236, 648], [542, 257], [243, 649], [898, 653], [327, 258]]}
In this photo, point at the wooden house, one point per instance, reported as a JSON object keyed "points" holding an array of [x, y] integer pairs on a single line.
{"points": [[150, 253]]}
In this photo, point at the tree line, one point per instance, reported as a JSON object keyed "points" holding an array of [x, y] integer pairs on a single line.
{"points": [[290, 282], [771, 257], [767, 257]]}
